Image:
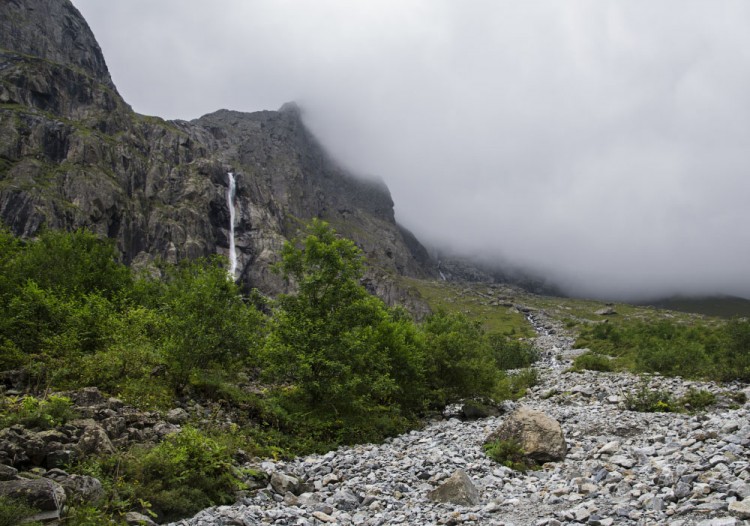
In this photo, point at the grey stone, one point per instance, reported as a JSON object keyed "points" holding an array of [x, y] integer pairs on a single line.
{"points": [[43, 494], [282, 483], [138, 519], [740, 508], [457, 489]]}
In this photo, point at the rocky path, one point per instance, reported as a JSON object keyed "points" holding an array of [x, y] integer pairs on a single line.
{"points": [[622, 467]]}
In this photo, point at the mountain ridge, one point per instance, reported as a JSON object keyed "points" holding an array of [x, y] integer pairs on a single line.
{"points": [[74, 154]]}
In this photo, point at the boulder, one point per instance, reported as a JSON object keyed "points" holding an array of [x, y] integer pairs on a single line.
{"points": [[94, 440], [42, 494], [138, 519], [82, 488], [7, 472], [88, 397], [177, 416], [457, 489], [539, 435], [282, 483], [740, 508]]}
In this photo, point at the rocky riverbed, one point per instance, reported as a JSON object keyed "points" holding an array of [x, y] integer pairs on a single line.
{"points": [[622, 467]]}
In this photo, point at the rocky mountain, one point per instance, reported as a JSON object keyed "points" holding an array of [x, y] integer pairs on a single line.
{"points": [[74, 154]]}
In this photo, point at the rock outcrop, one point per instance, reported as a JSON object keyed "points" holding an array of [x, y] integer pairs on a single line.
{"points": [[73, 154]]}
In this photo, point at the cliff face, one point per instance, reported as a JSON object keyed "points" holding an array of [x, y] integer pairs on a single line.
{"points": [[73, 153]]}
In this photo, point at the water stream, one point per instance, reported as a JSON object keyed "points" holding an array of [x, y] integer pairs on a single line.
{"points": [[231, 191]]}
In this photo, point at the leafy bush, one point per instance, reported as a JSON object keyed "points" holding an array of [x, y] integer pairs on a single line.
{"points": [[593, 362], [459, 361], [647, 400], [13, 511], [508, 453], [349, 363], [511, 354], [514, 386], [694, 351], [36, 413], [186, 472], [697, 399]]}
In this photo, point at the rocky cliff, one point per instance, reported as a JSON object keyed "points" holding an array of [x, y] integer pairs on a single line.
{"points": [[74, 154]]}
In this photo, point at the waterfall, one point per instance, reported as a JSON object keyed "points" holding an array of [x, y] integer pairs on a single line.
{"points": [[231, 190]]}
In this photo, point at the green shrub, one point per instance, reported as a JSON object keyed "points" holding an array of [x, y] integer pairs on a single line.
{"points": [[13, 511], [647, 400], [593, 362], [36, 413], [508, 453], [511, 354], [185, 473], [697, 399], [459, 361]]}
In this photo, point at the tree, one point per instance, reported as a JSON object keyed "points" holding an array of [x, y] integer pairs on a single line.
{"points": [[337, 345], [207, 324]]}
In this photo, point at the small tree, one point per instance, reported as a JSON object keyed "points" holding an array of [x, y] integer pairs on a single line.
{"points": [[207, 324], [332, 341]]}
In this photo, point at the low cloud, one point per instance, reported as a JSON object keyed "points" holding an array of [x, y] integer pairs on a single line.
{"points": [[601, 143]]}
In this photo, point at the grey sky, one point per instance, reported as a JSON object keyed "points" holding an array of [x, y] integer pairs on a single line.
{"points": [[604, 143]]}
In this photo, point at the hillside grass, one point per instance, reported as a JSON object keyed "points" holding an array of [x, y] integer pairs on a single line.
{"points": [[473, 301]]}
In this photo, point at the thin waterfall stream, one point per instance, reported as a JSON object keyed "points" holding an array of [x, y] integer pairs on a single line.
{"points": [[231, 191]]}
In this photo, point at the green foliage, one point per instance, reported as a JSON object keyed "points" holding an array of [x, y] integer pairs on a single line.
{"points": [[349, 363], [36, 413], [647, 400], [460, 363], [508, 453], [697, 399], [71, 264], [186, 472], [719, 352], [205, 322], [593, 362], [511, 354], [13, 511]]}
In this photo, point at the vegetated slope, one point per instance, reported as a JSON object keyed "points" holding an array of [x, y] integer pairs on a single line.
{"points": [[723, 306], [73, 153]]}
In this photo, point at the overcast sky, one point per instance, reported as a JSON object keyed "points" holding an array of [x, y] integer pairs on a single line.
{"points": [[605, 143]]}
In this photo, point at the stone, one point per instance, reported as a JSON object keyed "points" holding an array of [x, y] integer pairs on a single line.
{"points": [[740, 508], [94, 441], [457, 489], [82, 488], [282, 483], [88, 396], [43, 494], [539, 435], [7, 472], [138, 519], [177, 416], [323, 517]]}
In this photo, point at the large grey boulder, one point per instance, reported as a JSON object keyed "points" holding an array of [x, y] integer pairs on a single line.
{"points": [[94, 441], [282, 483], [42, 494], [539, 435], [457, 489]]}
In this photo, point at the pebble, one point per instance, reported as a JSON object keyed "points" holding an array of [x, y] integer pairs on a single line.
{"points": [[622, 468]]}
